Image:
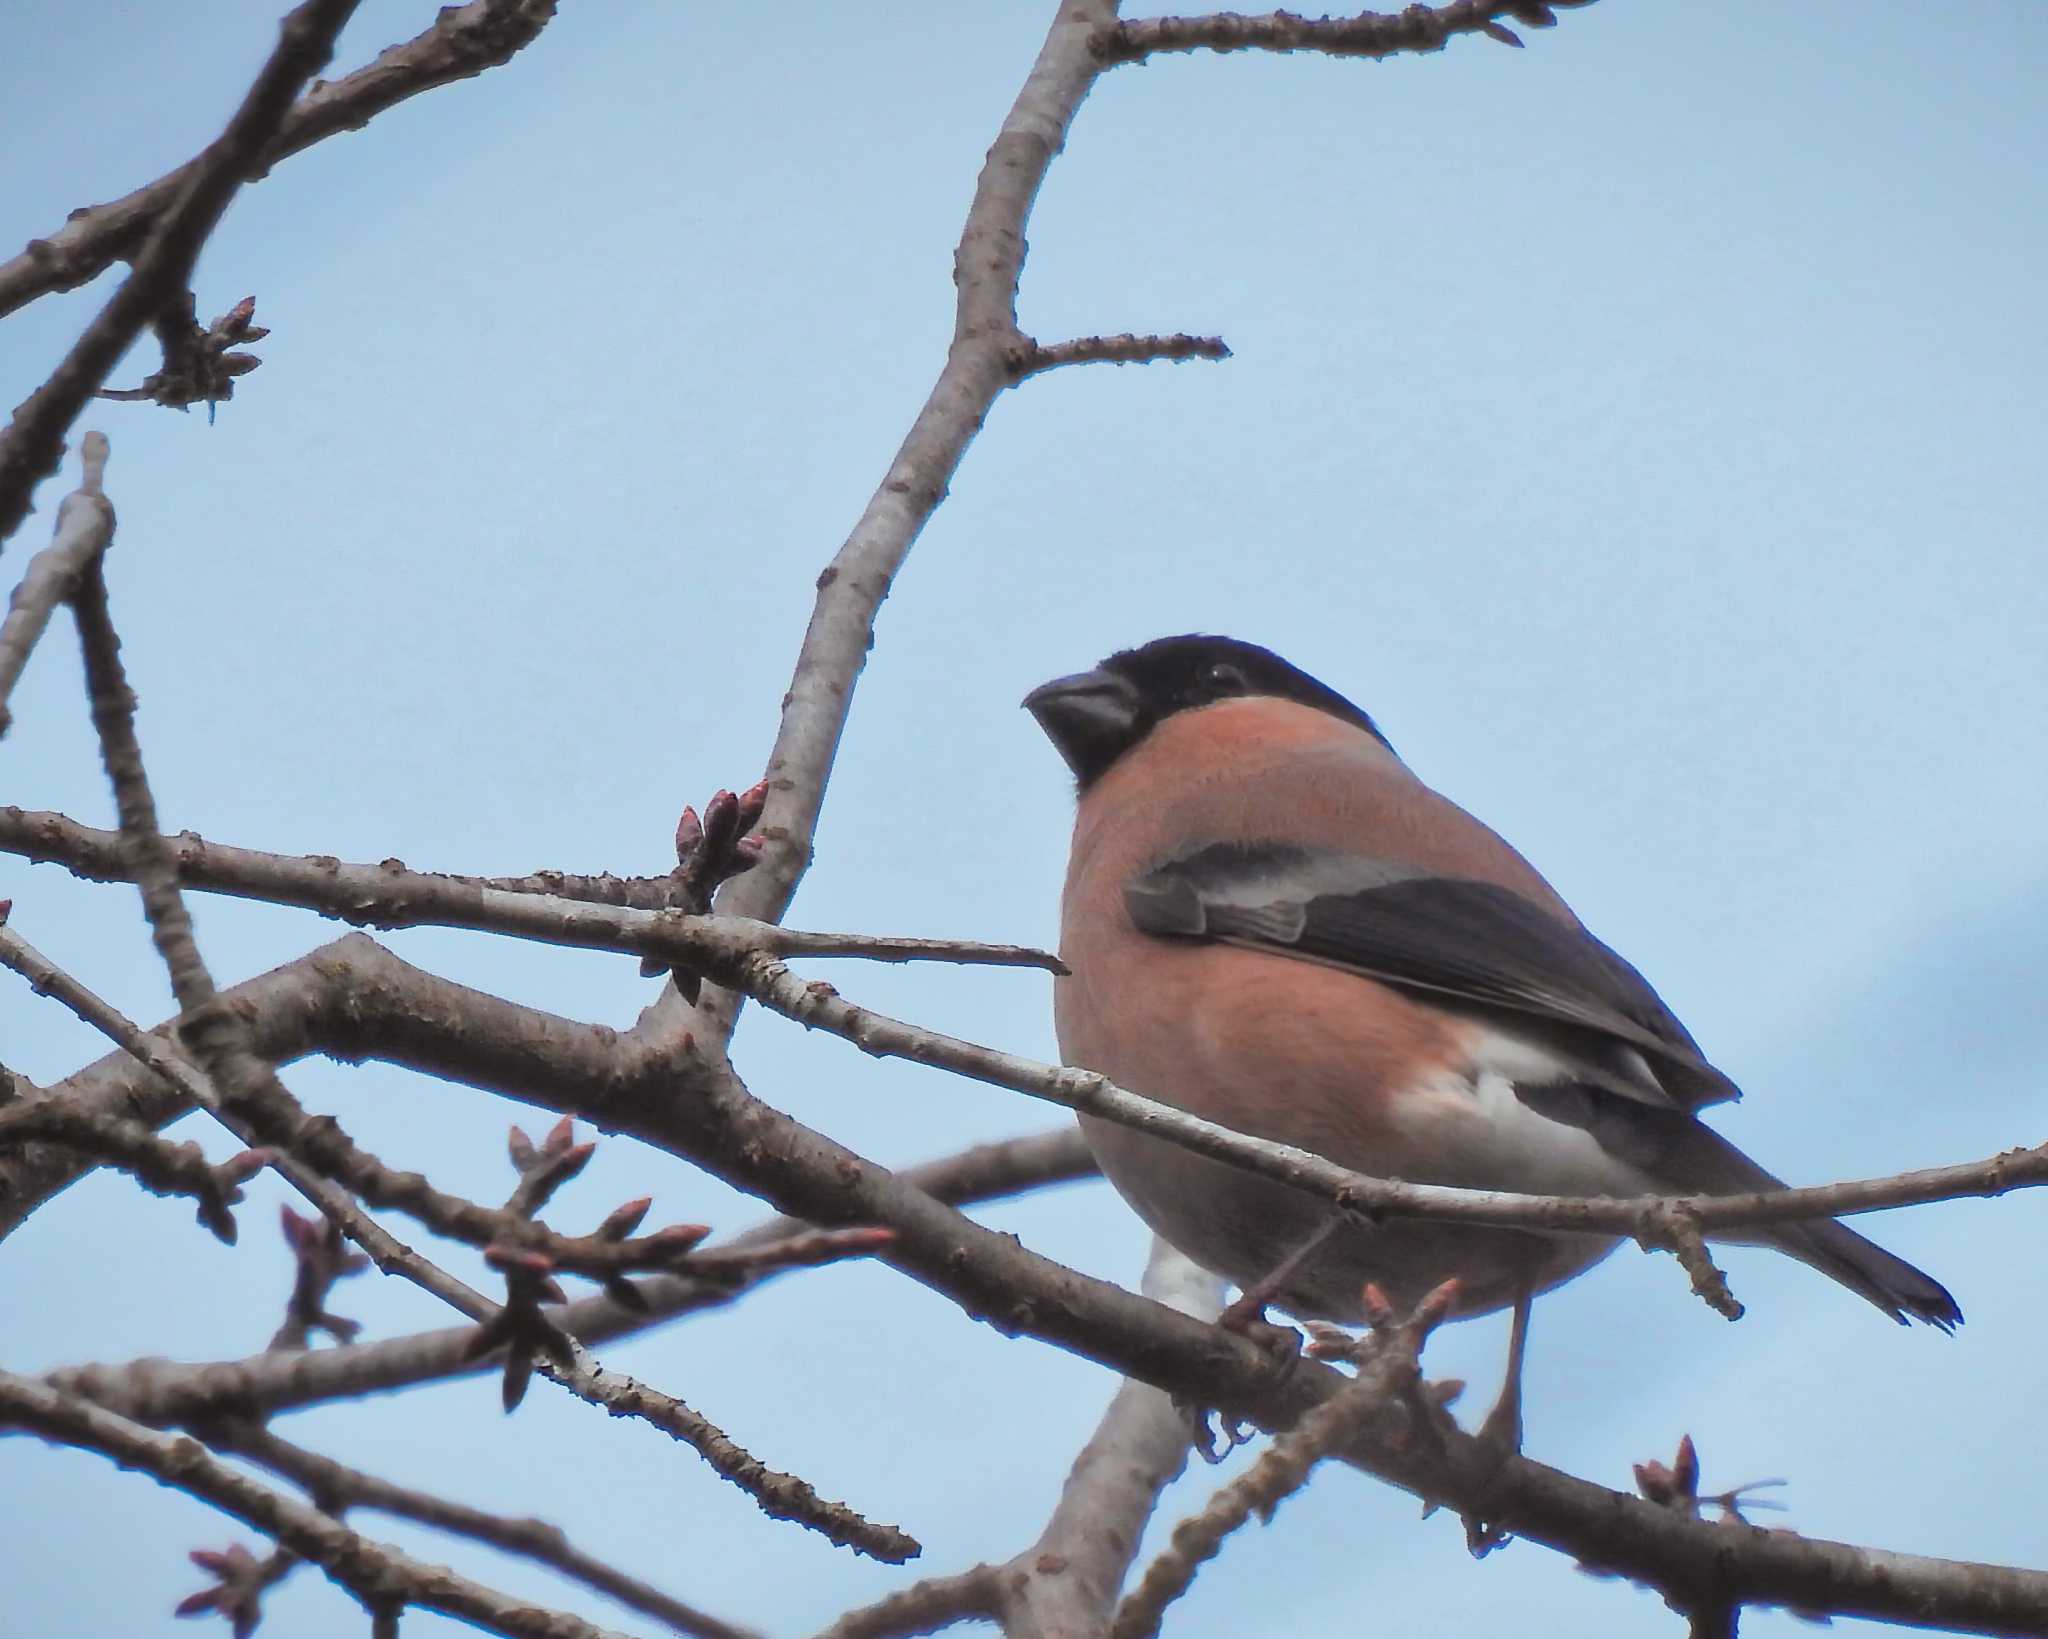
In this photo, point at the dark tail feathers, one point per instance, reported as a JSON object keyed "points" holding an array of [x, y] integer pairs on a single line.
{"points": [[1698, 1159], [1894, 1285]]}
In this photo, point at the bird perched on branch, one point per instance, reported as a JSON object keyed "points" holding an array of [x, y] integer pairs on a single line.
{"points": [[1271, 923]]}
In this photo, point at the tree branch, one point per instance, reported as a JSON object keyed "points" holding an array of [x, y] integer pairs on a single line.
{"points": [[335, 1487], [375, 1572], [1389, 1365], [1659, 1220], [167, 1392], [463, 42], [250, 1096], [388, 895], [1037, 358], [33, 443], [987, 266], [397, 1013], [1068, 1580], [85, 528], [94, 855], [1369, 34]]}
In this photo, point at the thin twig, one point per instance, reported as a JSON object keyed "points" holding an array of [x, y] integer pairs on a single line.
{"points": [[33, 442], [85, 528], [159, 1165], [1039, 357], [155, 1390], [335, 1487], [935, 1603], [1419, 28], [818, 1004], [374, 1572], [462, 42], [389, 895]]}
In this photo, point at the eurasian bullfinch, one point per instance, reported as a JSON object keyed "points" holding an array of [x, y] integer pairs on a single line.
{"points": [[1271, 923]]}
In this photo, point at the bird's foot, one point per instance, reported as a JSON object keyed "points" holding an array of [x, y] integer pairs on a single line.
{"points": [[1247, 1318], [1203, 1433], [1280, 1344]]}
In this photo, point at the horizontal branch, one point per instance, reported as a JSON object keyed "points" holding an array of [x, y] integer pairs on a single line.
{"points": [[377, 1574], [1038, 357], [389, 895], [378, 1006], [159, 1391], [463, 42], [1418, 28], [1653, 1218]]}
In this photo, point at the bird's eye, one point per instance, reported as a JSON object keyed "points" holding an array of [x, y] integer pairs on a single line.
{"points": [[1224, 678]]}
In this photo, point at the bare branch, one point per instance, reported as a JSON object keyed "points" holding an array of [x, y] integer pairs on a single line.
{"points": [[96, 856], [1646, 1218], [164, 1391], [385, 1008], [85, 528], [937, 1602], [157, 1164], [376, 1573], [987, 266], [251, 1093], [388, 895], [1369, 34], [336, 1487], [1389, 1365], [237, 1087], [463, 42], [1066, 1583], [33, 442], [1037, 357], [1068, 1580]]}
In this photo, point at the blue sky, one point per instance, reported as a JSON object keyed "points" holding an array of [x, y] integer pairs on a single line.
{"points": [[1644, 426]]}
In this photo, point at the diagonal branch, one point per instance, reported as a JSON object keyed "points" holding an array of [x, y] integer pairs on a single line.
{"points": [[33, 443], [463, 41], [85, 527], [335, 1487], [1068, 1580], [376, 1573], [987, 267]]}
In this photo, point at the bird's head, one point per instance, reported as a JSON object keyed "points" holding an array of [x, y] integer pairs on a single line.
{"points": [[1094, 717]]}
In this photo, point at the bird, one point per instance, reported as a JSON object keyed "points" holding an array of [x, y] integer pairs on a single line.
{"points": [[1269, 921]]}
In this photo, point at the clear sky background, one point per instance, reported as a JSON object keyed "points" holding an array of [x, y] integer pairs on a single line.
{"points": [[1645, 426]]}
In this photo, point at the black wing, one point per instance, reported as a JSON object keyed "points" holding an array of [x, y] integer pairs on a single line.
{"points": [[1482, 945]]}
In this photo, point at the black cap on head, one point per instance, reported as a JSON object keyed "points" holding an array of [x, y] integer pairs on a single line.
{"points": [[1094, 717]]}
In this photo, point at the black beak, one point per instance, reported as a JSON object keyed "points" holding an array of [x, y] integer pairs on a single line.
{"points": [[1092, 718]]}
